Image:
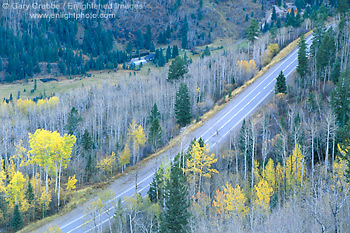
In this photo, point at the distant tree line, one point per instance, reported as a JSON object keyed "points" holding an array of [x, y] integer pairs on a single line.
{"points": [[56, 42]]}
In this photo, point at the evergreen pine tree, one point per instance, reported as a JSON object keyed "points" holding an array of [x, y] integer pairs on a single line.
{"points": [[88, 167], [176, 214], [129, 47], [155, 114], [73, 121], [1, 66], [335, 71], [29, 69], [184, 34], [206, 52], [37, 69], [280, 86], [183, 106], [35, 86], [152, 47], [177, 69], [175, 52], [168, 53], [155, 134], [326, 51], [148, 37], [156, 188], [161, 38], [161, 59], [274, 14], [139, 39], [340, 99], [49, 68], [185, 58], [302, 60], [17, 220], [168, 32], [29, 193], [86, 141], [343, 6], [252, 30], [155, 131]]}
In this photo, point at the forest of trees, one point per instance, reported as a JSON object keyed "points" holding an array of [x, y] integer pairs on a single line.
{"points": [[73, 47], [287, 168], [101, 117], [100, 130]]}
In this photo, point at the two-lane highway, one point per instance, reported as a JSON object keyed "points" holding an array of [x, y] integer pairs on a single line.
{"points": [[214, 132]]}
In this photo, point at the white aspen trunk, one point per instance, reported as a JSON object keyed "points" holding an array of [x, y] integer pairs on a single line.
{"points": [[59, 185], [327, 148], [47, 179], [130, 223], [56, 180], [253, 150]]}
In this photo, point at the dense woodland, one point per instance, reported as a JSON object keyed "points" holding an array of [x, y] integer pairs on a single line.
{"points": [[286, 170], [34, 47], [53, 145], [56, 47]]}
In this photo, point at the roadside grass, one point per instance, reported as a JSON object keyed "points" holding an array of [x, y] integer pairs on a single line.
{"points": [[81, 196], [77, 198]]}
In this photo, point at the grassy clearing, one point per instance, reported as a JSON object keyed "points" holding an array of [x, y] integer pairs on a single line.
{"points": [[97, 78], [54, 87]]}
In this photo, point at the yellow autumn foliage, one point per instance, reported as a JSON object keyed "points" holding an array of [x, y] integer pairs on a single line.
{"points": [[294, 168], [24, 105], [263, 193], [270, 52], [108, 163], [50, 102], [256, 172], [45, 199], [200, 161], [71, 185], [247, 67], [124, 157], [269, 173], [137, 137], [15, 189], [50, 149], [279, 176], [234, 202]]}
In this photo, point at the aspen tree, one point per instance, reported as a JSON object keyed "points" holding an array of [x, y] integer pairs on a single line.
{"points": [[124, 158], [269, 173], [234, 200], [218, 202], [200, 164], [137, 139], [263, 193]]}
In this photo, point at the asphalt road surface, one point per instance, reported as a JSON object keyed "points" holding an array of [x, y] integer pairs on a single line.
{"points": [[214, 132]]}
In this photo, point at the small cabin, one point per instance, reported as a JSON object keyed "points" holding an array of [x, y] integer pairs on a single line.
{"points": [[139, 62]]}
